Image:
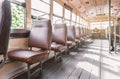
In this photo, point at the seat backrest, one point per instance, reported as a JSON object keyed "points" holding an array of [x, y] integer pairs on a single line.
{"points": [[71, 33], [5, 23], [60, 33], [82, 31], [77, 32], [41, 34]]}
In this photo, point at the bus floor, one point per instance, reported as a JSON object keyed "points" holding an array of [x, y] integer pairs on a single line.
{"points": [[91, 61]]}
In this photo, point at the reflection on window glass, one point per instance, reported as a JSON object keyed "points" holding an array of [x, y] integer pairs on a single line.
{"points": [[17, 16], [57, 9], [67, 14]]}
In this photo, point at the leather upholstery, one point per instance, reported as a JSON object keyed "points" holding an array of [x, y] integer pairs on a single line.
{"points": [[40, 35], [69, 43], [5, 24], [28, 56], [58, 47], [71, 33], [77, 32], [60, 34]]}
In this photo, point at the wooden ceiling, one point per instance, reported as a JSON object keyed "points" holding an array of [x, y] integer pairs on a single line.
{"points": [[92, 9]]}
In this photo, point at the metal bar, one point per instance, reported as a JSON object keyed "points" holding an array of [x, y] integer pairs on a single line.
{"points": [[29, 75], [55, 56], [44, 2], [57, 16], [39, 11], [115, 39], [40, 64], [18, 3], [109, 26]]}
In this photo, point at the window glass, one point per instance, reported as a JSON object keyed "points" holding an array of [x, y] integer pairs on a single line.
{"points": [[73, 23], [21, 1], [73, 17], [57, 19], [41, 6], [47, 1], [39, 14], [67, 14], [67, 22], [18, 16], [77, 19], [99, 25], [57, 9]]}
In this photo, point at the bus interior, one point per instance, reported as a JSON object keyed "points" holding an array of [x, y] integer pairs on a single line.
{"points": [[59, 39]]}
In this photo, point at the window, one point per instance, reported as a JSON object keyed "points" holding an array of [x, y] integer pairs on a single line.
{"points": [[57, 9], [73, 23], [18, 14], [100, 25], [73, 17], [57, 19], [40, 8], [57, 12], [77, 19], [67, 22], [67, 14]]}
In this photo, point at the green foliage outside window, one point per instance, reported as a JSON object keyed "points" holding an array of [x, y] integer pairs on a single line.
{"points": [[17, 16]]}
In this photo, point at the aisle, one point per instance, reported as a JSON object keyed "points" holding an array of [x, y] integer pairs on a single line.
{"points": [[91, 61]]}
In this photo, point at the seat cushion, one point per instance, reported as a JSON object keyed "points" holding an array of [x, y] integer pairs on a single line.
{"points": [[28, 56], [69, 43], [58, 47], [77, 40]]}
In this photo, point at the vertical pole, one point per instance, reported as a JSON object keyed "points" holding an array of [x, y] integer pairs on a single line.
{"points": [[64, 13], [114, 38], [76, 19], [28, 14], [70, 17], [109, 26], [28, 71], [51, 11]]}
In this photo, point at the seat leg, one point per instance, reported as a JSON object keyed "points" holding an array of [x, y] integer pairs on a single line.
{"points": [[60, 57], [40, 64], [67, 51], [55, 56], [29, 75]]}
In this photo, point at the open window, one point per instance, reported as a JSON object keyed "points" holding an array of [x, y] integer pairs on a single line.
{"points": [[57, 12], [18, 14], [40, 9]]}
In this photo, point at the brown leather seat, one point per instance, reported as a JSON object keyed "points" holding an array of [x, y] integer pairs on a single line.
{"points": [[5, 24], [69, 43], [28, 56], [77, 32], [59, 39], [40, 37], [58, 47], [82, 34], [59, 36], [70, 35]]}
